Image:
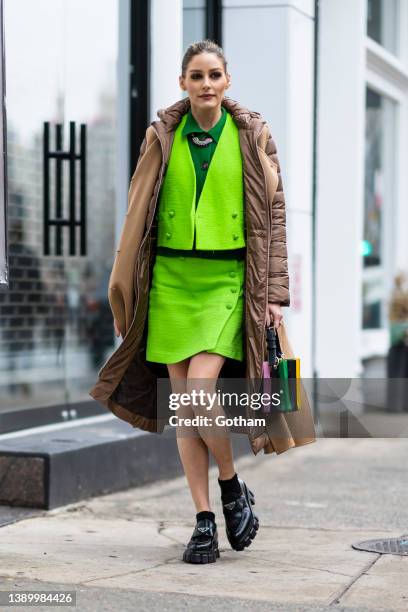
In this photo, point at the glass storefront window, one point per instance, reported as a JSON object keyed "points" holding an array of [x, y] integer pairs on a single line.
{"points": [[194, 27], [383, 23], [378, 203], [56, 327], [3, 166]]}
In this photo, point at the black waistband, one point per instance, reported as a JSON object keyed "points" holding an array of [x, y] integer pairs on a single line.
{"points": [[216, 254]]}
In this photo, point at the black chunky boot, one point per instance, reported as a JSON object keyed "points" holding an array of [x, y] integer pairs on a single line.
{"points": [[240, 521], [203, 545]]}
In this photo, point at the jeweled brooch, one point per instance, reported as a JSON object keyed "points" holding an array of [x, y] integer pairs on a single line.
{"points": [[202, 143]]}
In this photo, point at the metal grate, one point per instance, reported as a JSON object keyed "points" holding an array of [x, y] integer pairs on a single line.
{"points": [[391, 546]]}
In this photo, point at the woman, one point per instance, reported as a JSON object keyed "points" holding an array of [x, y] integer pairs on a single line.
{"points": [[220, 223]]}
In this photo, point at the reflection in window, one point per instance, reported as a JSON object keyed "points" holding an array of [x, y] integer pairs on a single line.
{"points": [[382, 23], [55, 321], [373, 180], [379, 147], [3, 162]]}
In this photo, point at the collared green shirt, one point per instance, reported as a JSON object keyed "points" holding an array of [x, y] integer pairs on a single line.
{"points": [[202, 155]]}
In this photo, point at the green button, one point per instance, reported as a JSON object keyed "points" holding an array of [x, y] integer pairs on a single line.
{"points": [[234, 214], [229, 306], [168, 235], [171, 213], [235, 236], [234, 289], [232, 274]]}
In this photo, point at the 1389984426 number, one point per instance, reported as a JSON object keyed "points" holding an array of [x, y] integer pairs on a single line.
{"points": [[33, 598]]}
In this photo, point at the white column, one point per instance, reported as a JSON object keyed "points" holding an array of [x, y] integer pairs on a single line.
{"points": [[341, 112]]}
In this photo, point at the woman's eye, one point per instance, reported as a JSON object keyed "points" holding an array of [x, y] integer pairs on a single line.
{"points": [[216, 75]]}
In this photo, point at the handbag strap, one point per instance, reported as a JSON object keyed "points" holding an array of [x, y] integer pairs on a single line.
{"points": [[273, 346]]}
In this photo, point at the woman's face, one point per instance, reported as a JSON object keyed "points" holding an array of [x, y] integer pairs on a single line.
{"points": [[205, 75]]}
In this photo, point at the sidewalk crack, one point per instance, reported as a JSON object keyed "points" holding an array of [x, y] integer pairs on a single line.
{"points": [[122, 574], [307, 567], [348, 586], [160, 530]]}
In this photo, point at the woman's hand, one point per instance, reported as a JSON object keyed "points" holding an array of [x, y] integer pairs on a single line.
{"points": [[273, 315], [117, 331]]}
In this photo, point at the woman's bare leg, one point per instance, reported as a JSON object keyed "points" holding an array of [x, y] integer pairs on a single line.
{"points": [[192, 449], [207, 366]]}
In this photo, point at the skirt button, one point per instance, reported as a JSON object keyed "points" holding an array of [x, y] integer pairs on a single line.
{"points": [[232, 274], [234, 289], [229, 306]]}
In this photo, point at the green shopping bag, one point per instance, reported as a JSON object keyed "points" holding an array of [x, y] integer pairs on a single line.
{"points": [[285, 374]]}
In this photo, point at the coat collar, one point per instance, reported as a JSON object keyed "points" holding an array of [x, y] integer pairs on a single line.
{"points": [[243, 117]]}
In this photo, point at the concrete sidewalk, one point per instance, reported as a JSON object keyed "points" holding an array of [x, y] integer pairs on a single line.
{"points": [[123, 551]]}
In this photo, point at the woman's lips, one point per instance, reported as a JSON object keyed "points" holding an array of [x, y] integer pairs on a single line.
{"points": [[207, 97]]}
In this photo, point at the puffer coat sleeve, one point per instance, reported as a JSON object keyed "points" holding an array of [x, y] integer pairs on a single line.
{"points": [[278, 279], [121, 292]]}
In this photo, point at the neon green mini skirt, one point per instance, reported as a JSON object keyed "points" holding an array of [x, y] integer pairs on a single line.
{"points": [[195, 304]]}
